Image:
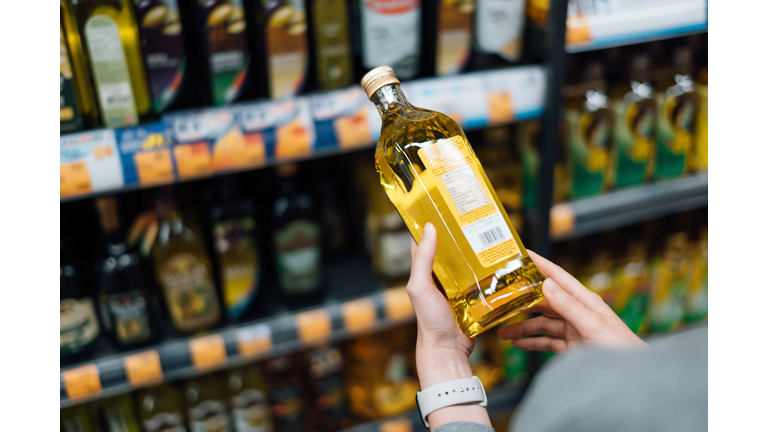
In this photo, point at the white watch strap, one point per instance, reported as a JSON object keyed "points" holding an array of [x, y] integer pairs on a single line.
{"points": [[455, 392]]}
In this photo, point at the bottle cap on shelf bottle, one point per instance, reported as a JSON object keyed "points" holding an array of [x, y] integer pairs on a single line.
{"points": [[378, 78]]}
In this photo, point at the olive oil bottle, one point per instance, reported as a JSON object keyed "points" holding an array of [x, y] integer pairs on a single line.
{"points": [[77, 106], [449, 46], [499, 27], [390, 33], [206, 404], [160, 409], [113, 50], [431, 174], [165, 56], [248, 399], [332, 43], [184, 269]]}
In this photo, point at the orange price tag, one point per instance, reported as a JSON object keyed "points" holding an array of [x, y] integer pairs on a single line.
{"points": [[397, 304], [82, 381], [208, 352], [193, 160], [352, 131], [255, 340], [75, 179], [500, 107], [314, 325], [358, 314], [577, 29], [143, 368], [154, 167], [561, 220], [400, 424]]}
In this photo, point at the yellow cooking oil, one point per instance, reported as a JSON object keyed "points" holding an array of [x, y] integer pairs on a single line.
{"points": [[431, 174]]}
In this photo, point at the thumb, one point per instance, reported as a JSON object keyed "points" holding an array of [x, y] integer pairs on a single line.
{"points": [[567, 306], [422, 258]]}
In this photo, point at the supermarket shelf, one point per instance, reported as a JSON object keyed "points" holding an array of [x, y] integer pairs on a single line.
{"points": [[628, 206], [500, 399], [620, 24], [356, 304], [202, 143]]}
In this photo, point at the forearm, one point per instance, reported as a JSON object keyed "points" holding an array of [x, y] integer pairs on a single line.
{"points": [[437, 365]]}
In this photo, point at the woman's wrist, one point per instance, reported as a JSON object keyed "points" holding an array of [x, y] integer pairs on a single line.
{"points": [[435, 365]]}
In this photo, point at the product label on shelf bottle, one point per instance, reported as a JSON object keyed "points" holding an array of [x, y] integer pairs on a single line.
{"points": [[391, 31], [165, 422], [499, 27], [228, 54], [631, 281], [298, 256], [110, 72], [454, 35], [334, 58], [164, 54], [69, 116], [666, 309], [126, 315], [589, 147], [78, 324], [239, 261], [471, 203], [209, 416], [286, 40], [189, 291], [250, 412]]}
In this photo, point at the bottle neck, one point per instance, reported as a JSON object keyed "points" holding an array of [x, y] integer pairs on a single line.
{"points": [[389, 98]]}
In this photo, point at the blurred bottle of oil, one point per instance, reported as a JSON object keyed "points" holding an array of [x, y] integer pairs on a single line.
{"points": [[77, 105], [500, 157], [669, 282], [631, 280], [183, 267], [287, 394], [679, 103], [595, 273], [161, 409], [499, 29], [248, 400], [530, 159], [380, 373], [332, 36], [702, 122], [327, 387], [79, 327], [206, 404], [222, 58], [696, 304], [281, 46], [538, 11], [589, 136], [77, 419], [634, 103], [165, 54], [116, 414], [113, 51], [448, 26]]}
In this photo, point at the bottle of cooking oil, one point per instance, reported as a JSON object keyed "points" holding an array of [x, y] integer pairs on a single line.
{"points": [[630, 280], [431, 174], [77, 106], [333, 50], [114, 53]]}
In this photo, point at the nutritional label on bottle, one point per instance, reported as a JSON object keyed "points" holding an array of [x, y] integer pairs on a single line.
{"points": [[458, 179]]}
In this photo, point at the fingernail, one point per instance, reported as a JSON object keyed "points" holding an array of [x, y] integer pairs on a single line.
{"points": [[551, 289], [429, 231]]}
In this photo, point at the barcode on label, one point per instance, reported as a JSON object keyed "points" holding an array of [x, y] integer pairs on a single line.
{"points": [[487, 232], [491, 237]]}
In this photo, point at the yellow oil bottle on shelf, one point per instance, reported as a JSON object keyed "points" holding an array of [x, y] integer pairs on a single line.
{"points": [[78, 108], [431, 174], [113, 49]]}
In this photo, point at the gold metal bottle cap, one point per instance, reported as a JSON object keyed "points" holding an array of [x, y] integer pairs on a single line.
{"points": [[378, 78]]}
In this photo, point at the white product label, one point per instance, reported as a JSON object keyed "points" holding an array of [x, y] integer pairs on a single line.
{"points": [[499, 27], [392, 35], [110, 71], [216, 423], [487, 232], [395, 253], [465, 189]]}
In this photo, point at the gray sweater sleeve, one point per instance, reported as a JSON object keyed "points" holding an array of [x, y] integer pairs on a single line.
{"points": [[464, 427]]}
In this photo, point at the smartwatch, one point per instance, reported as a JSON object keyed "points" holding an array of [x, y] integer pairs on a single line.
{"points": [[455, 392]]}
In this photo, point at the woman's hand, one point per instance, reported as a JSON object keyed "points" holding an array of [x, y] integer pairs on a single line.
{"points": [[574, 316], [442, 349]]}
